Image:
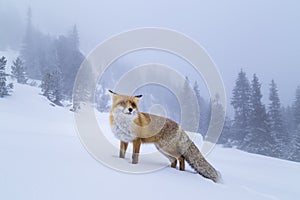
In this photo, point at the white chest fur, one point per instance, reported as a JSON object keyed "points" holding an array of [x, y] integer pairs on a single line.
{"points": [[123, 126]]}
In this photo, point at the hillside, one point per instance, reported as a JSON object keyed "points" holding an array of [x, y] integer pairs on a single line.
{"points": [[42, 158]]}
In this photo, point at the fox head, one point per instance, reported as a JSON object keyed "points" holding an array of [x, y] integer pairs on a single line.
{"points": [[125, 104]]}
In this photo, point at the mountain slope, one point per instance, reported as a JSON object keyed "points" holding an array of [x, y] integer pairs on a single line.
{"points": [[42, 158]]}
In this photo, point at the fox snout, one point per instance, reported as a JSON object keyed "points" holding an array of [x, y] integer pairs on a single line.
{"points": [[129, 110], [127, 107]]}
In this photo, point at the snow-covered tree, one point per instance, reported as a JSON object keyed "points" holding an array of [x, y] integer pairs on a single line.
{"points": [[295, 150], [74, 37], [218, 121], [204, 110], [18, 71], [57, 86], [288, 120], [225, 137], [278, 133], [241, 104], [69, 59], [259, 139], [296, 107], [46, 88], [102, 98], [189, 118], [4, 88], [30, 48], [52, 86], [289, 127], [85, 83]]}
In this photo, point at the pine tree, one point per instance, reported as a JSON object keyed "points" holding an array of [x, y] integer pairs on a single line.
{"points": [[295, 137], [102, 98], [241, 104], [288, 120], [69, 59], [4, 89], [225, 137], [85, 82], [18, 71], [295, 150], [277, 131], [46, 88], [57, 87], [259, 139], [296, 107], [52, 86], [218, 121], [30, 50], [74, 38], [190, 117], [203, 111]]}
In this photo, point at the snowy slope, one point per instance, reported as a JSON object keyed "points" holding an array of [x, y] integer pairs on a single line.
{"points": [[42, 158]]}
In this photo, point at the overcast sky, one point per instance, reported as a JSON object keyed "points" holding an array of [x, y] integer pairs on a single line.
{"points": [[260, 36]]}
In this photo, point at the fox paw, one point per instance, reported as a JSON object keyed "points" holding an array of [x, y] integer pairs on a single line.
{"points": [[122, 155], [134, 161]]}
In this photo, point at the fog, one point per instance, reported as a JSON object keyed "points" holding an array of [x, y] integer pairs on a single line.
{"points": [[262, 37]]}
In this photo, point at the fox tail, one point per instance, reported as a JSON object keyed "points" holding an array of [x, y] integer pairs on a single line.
{"points": [[193, 156]]}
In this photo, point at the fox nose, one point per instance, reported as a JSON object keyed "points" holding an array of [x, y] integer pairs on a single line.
{"points": [[130, 109]]}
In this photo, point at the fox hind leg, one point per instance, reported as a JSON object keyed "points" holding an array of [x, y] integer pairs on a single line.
{"points": [[171, 159], [181, 163], [174, 163], [123, 148]]}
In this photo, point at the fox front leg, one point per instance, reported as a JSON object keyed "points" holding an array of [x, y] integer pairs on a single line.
{"points": [[123, 148], [136, 151]]}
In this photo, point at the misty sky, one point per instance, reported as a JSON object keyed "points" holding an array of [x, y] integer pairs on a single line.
{"points": [[261, 36]]}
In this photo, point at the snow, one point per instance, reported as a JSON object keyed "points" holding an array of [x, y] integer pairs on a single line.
{"points": [[43, 158]]}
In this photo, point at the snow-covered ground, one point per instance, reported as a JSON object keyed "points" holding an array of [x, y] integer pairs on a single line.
{"points": [[43, 158]]}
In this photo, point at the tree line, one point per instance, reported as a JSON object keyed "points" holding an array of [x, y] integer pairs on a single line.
{"points": [[53, 60], [272, 129]]}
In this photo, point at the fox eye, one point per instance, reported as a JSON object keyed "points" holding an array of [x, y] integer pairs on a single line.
{"points": [[133, 105], [122, 103]]}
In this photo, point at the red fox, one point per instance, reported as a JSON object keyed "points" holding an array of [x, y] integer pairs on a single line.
{"points": [[130, 125]]}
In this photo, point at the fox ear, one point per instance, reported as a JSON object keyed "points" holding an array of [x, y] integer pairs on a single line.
{"points": [[111, 92], [138, 96]]}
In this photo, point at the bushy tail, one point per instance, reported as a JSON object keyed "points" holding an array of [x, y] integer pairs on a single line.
{"points": [[195, 159]]}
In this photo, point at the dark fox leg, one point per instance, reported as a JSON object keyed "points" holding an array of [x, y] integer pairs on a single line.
{"points": [[123, 147], [174, 163], [136, 151], [171, 159], [182, 164]]}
